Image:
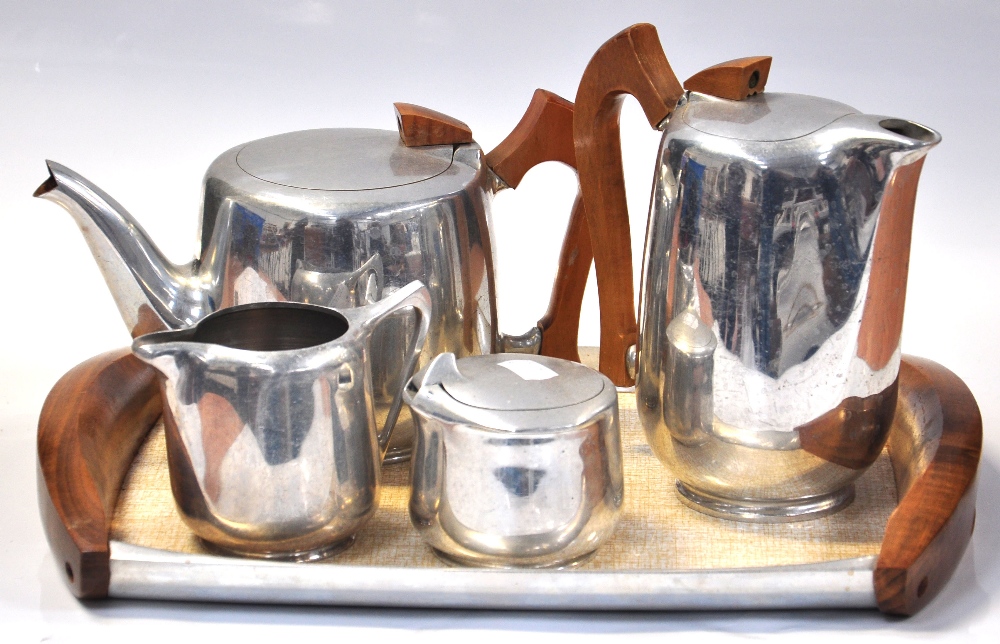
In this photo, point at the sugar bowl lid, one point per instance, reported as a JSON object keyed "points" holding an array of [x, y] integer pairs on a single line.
{"points": [[511, 392]]}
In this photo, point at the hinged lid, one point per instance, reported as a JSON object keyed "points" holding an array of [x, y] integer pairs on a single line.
{"points": [[342, 159], [515, 382], [764, 117]]}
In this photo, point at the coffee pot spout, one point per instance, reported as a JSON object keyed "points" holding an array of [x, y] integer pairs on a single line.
{"points": [[151, 293]]}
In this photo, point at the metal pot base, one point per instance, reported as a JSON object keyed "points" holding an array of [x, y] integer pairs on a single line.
{"points": [[297, 557], [510, 564], [750, 511]]}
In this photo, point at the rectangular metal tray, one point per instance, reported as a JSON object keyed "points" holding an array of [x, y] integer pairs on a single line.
{"points": [[875, 553]]}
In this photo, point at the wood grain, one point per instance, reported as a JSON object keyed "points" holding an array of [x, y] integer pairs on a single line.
{"points": [[92, 423], [561, 323], [422, 126], [930, 529], [882, 318], [733, 79], [545, 133], [631, 63]]}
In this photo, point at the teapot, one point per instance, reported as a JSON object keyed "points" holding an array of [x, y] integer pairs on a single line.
{"points": [[773, 280], [341, 218]]}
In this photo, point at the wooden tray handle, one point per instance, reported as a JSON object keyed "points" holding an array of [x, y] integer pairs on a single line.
{"points": [[633, 63], [545, 133], [934, 446], [92, 424]]}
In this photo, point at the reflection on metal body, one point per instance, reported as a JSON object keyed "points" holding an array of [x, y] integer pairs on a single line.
{"points": [[517, 460], [329, 216], [759, 253], [272, 440], [529, 342]]}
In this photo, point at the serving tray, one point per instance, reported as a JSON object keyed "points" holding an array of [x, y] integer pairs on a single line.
{"points": [[105, 501]]}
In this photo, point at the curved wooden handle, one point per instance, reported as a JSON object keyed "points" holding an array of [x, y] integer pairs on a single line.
{"points": [[545, 133], [92, 424], [421, 126], [935, 445], [561, 323], [633, 63], [733, 79]]}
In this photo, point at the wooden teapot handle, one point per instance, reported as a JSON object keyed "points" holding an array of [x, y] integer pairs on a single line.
{"points": [[633, 63], [545, 133]]}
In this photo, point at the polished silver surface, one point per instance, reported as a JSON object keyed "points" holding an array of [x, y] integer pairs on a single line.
{"points": [[143, 573], [529, 342], [517, 460], [342, 159], [333, 217], [272, 441], [758, 261]]}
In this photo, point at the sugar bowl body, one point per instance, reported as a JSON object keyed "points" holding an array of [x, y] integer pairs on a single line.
{"points": [[272, 441], [517, 460]]}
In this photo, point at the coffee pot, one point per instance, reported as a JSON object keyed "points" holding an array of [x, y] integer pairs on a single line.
{"points": [[341, 218], [773, 281]]}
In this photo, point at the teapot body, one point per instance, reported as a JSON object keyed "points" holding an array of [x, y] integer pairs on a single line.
{"points": [[770, 306], [342, 217]]}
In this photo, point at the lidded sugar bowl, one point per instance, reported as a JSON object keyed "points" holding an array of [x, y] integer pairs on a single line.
{"points": [[517, 460]]}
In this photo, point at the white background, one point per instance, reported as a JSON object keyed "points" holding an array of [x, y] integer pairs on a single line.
{"points": [[140, 97]]}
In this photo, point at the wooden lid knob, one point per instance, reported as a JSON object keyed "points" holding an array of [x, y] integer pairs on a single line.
{"points": [[421, 126], [734, 79]]}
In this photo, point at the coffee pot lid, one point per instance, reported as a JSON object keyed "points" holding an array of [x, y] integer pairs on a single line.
{"points": [[342, 160], [769, 116]]}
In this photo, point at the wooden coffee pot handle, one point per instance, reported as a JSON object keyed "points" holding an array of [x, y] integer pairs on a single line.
{"points": [[633, 63]]}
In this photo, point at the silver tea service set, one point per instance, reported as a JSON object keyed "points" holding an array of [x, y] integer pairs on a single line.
{"points": [[336, 263]]}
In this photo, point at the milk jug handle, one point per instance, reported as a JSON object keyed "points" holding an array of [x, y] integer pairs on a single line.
{"points": [[368, 318], [632, 62]]}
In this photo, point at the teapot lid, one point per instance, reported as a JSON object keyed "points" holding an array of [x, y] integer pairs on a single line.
{"points": [[765, 117], [342, 160]]}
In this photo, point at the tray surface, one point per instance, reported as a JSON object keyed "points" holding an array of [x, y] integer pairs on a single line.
{"points": [[656, 532]]}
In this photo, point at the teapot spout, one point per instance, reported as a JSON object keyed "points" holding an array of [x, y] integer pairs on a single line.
{"points": [[151, 293]]}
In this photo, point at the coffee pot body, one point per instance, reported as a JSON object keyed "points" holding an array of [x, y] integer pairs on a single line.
{"points": [[773, 282], [772, 297]]}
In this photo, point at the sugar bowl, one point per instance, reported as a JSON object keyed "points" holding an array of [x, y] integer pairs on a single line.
{"points": [[517, 460]]}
